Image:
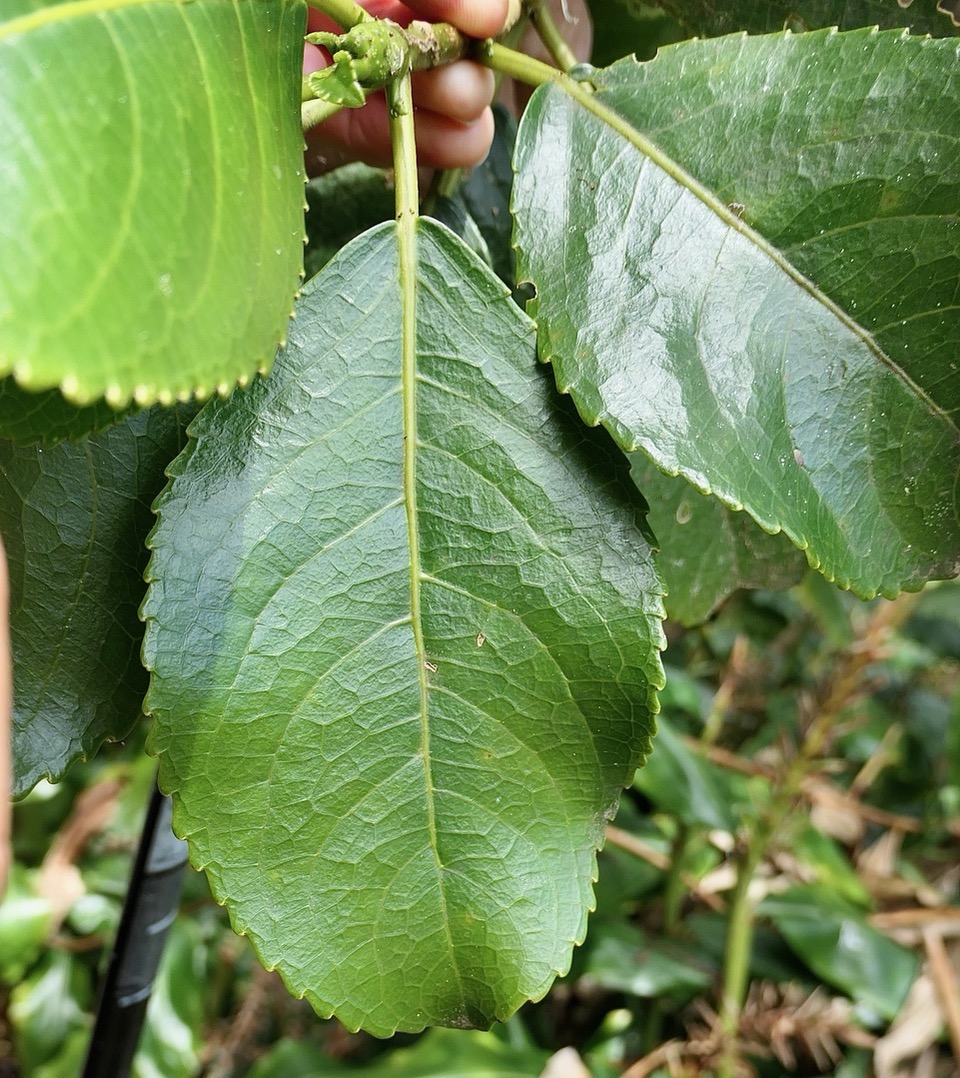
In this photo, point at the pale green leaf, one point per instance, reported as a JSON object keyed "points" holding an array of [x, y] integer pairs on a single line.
{"points": [[692, 337], [152, 178], [395, 696]]}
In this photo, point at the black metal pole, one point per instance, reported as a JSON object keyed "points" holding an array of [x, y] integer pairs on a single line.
{"points": [[148, 911]]}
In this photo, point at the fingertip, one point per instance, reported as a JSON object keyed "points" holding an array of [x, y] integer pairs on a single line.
{"points": [[461, 90], [445, 143], [476, 18]]}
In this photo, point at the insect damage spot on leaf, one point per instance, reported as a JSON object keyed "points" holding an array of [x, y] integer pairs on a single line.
{"points": [[525, 292]]}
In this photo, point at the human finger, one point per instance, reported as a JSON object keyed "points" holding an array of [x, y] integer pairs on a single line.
{"points": [[477, 18], [364, 135], [460, 91]]}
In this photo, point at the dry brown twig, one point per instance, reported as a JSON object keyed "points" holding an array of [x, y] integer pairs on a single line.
{"points": [[59, 880], [945, 980]]}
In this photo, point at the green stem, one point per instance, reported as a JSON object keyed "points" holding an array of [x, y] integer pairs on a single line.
{"points": [[343, 12], [552, 38], [403, 140], [736, 965], [516, 65], [315, 111], [433, 44], [675, 888], [740, 916]]}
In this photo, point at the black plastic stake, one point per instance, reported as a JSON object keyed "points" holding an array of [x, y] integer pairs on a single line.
{"points": [[149, 910]]}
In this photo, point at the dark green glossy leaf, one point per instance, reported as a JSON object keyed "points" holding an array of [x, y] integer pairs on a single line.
{"points": [[446, 1053], [290, 1058], [441, 1053], [69, 1059], [623, 958], [708, 551], [692, 337], [48, 417], [74, 519], [827, 864], [479, 210], [486, 196], [152, 196], [395, 695], [685, 784], [621, 27], [454, 214], [707, 18], [841, 948], [340, 205]]}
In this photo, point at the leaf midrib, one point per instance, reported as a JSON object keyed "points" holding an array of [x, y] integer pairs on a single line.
{"points": [[609, 116], [400, 103]]}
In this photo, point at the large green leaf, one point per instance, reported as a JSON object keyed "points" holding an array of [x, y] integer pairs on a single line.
{"points": [[707, 550], [692, 337], [403, 629], [74, 520], [152, 191], [710, 17]]}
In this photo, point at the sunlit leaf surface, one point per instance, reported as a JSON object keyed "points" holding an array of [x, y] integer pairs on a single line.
{"points": [[789, 342], [152, 193]]}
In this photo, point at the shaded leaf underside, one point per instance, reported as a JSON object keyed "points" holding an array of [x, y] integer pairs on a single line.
{"points": [[692, 339], [408, 836], [74, 519], [152, 171], [708, 551]]}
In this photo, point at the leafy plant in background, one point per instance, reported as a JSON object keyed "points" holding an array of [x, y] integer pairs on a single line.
{"points": [[403, 616]]}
